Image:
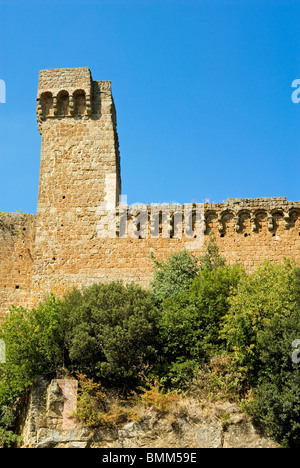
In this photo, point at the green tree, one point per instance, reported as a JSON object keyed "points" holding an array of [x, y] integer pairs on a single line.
{"points": [[189, 323], [260, 296], [111, 332], [211, 259], [34, 343], [34, 346], [173, 276], [277, 395]]}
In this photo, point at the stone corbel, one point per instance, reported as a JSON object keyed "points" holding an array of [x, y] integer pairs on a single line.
{"points": [[237, 224], [253, 222], [55, 105], [287, 220], [88, 104], [71, 104], [270, 223], [39, 110], [221, 228]]}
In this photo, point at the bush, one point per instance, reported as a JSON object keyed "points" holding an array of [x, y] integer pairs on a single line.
{"points": [[34, 345], [277, 396], [261, 296], [211, 259], [155, 398], [210, 295], [173, 276], [111, 333], [218, 379], [189, 324], [96, 408]]}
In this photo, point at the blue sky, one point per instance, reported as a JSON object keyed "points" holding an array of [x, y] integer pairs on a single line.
{"points": [[202, 90]]}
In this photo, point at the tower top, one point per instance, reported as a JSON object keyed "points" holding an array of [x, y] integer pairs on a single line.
{"points": [[65, 79], [69, 92]]}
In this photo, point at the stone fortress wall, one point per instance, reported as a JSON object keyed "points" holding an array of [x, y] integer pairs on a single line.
{"points": [[81, 233]]}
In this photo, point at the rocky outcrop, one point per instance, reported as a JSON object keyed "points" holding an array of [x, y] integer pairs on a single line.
{"points": [[49, 423]]}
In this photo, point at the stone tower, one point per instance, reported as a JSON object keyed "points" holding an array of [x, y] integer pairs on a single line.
{"points": [[79, 171], [78, 238]]}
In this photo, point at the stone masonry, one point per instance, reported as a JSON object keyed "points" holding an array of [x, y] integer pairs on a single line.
{"points": [[81, 234]]}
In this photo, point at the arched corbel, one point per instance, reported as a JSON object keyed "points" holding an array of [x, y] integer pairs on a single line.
{"points": [[39, 110], [221, 227], [270, 221], [71, 104], [88, 104], [237, 223], [287, 220], [55, 105], [253, 221]]}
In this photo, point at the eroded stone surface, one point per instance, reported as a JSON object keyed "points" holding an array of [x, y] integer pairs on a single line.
{"points": [[51, 404]]}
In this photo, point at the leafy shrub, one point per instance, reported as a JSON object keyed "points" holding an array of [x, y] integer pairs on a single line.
{"points": [[96, 408], [173, 276], [189, 323], [277, 397], [177, 274], [8, 438], [218, 379], [91, 404], [211, 259], [154, 397], [111, 332], [260, 296], [34, 345], [210, 295]]}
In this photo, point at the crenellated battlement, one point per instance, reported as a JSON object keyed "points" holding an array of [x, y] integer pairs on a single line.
{"points": [[81, 234]]}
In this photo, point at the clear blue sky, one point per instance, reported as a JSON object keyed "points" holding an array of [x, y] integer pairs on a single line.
{"points": [[202, 90]]}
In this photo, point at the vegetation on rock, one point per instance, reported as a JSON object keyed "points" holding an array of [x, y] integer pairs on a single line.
{"points": [[204, 329]]}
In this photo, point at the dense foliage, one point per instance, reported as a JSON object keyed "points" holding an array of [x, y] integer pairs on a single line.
{"points": [[110, 332], [173, 276], [265, 294], [189, 323], [34, 346], [203, 326], [277, 402]]}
